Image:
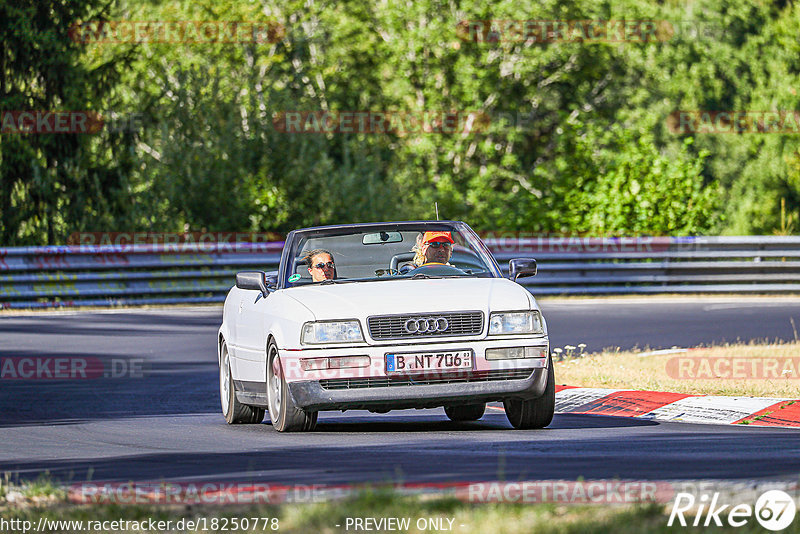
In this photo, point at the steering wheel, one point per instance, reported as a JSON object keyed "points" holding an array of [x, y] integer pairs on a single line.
{"points": [[437, 269], [397, 258]]}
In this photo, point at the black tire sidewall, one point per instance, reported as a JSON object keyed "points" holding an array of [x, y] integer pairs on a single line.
{"points": [[296, 420], [521, 413]]}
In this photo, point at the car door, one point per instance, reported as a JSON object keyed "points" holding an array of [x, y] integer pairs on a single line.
{"points": [[252, 337]]}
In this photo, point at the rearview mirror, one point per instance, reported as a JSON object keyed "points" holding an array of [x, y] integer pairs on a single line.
{"points": [[382, 237], [253, 280], [521, 267]]}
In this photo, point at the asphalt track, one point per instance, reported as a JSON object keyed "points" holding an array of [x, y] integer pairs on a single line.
{"points": [[167, 425]]}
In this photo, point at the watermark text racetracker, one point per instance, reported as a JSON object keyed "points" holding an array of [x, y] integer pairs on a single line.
{"points": [[291, 122], [178, 241], [733, 367], [69, 122], [70, 368], [50, 122], [176, 31], [381, 122], [685, 497], [559, 31], [600, 491], [399, 122], [545, 243], [212, 492], [566, 491], [216, 492], [693, 122]]}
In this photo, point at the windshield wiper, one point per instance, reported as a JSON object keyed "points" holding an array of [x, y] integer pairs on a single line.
{"points": [[332, 281], [423, 275]]}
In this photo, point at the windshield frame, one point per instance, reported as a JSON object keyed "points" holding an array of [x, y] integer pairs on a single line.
{"points": [[296, 236]]}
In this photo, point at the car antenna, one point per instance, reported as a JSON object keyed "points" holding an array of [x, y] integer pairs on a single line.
{"points": [[436, 207]]}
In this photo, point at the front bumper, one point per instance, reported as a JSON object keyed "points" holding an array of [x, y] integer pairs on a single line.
{"points": [[374, 388], [310, 395]]}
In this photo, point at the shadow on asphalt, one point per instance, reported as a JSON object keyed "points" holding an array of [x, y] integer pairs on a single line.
{"points": [[168, 388], [104, 324], [494, 420], [679, 452]]}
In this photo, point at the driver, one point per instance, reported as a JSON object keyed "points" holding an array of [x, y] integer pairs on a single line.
{"points": [[433, 247], [320, 265]]}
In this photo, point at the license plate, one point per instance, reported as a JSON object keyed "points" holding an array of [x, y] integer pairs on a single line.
{"points": [[455, 360]]}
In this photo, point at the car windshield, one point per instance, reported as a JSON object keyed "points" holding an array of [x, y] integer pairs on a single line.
{"points": [[387, 252]]}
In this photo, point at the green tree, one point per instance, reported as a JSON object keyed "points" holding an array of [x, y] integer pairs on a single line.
{"points": [[54, 184], [574, 136]]}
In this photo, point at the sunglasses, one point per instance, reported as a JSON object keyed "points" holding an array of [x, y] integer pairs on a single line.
{"points": [[329, 265], [438, 244]]}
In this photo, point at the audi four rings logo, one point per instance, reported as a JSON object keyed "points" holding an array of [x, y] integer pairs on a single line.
{"points": [[426, 325]]}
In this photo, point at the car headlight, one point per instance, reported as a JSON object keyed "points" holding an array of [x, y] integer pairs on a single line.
{"points": [[527, 322], [319, 333]]}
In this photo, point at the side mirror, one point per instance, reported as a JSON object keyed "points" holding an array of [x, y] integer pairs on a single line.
{"points": [[521, 267], [253, 280], [272, 280]]}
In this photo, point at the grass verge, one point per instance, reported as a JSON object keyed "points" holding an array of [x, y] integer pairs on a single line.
{"points": [[759, 370], [424, 514]]}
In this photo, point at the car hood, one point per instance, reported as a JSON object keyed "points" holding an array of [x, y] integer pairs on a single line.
{"points": [[364, 299]]}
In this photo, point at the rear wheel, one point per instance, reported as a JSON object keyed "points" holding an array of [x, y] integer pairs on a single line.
{"points": [[465, 412], [234, 411], [285, 415], [534, 413]]}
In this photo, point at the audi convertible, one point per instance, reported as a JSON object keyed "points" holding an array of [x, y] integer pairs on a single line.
{"points": [[384, 316]]}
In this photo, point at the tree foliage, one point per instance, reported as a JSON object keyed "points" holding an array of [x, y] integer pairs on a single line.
{"points": [[54, 184], [574, 136]]}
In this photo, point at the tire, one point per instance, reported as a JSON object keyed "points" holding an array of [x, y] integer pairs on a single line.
{"points": [[534, 413], [285, 415], [234, 411], [465, 412]]}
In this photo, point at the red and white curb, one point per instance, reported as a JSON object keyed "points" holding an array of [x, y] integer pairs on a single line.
{"points": [[679, 407]]}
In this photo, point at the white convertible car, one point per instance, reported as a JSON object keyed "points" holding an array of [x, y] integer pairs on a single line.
{"points": [[380, 317]]}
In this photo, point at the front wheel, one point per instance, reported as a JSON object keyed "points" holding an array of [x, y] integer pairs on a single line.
{"points": [[534, 413], [285, 415], [234, 411]]}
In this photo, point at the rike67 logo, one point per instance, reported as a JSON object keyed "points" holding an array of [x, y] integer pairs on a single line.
{"points": [[774, 510]]}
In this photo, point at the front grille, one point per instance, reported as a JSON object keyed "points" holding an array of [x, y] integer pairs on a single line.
{"points": [[426, 380], [393, 326]]}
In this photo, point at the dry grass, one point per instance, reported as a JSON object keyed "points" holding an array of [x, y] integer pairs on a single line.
{"points": [[323, 518], [695, 371]]}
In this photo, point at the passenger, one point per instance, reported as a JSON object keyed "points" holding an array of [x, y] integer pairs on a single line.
{"points": [[433, 247], [320, 265]]}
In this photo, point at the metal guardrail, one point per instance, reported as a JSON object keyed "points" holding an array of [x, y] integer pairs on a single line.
{"points": [[105, 275], [109, 275], [755, 264]]}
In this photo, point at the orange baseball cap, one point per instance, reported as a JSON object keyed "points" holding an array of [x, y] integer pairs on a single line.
{"points": [[430, 237]]}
